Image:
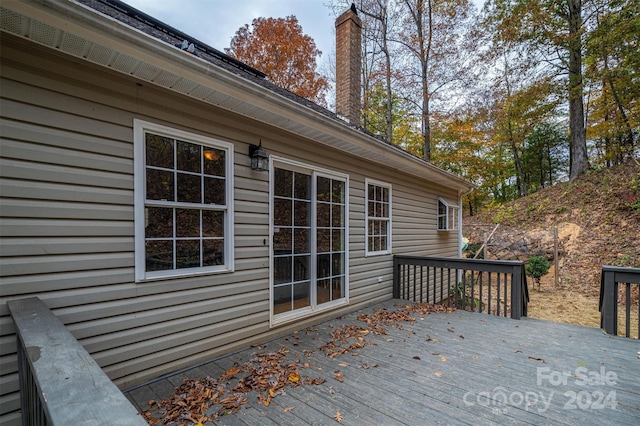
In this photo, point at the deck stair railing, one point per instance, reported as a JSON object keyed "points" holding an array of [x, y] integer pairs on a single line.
{"points": [[496, 287], [60, 384], [613, 281]]}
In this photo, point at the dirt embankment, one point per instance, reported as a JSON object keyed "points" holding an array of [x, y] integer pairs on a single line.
{"points": [[597, 218]]}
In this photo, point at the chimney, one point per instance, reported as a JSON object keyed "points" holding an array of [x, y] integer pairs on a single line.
{"points": [[348, 65]]}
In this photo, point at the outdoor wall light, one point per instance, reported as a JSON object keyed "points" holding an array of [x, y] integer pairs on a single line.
{"points": [[259, 158]]}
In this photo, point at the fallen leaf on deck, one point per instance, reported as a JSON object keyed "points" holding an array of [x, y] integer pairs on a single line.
{"points": [[232, 371], [461, 336], [533, 358], [517, 351], [451, 330], [339, 377], [443, 359], [438, 373], [343, 364], [416, 357], [288, 409], [338, 417], [436, 353]]}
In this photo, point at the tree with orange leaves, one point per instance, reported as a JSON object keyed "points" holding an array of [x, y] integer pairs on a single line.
{"points": [[279, 48]]}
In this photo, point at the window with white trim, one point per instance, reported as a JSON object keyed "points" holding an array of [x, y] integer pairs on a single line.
{"points": [[183, 203], [378, 202], [309, 233], [447, 215]]}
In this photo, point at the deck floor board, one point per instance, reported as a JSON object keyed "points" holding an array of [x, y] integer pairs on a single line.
{"points": [[454, 368]]}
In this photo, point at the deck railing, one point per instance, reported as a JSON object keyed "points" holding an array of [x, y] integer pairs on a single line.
{"points": [[494, 287], [60, 384], [613, 281]]}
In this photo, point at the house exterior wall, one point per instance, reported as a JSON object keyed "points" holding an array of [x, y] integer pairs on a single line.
{"points": [[67, 221]]}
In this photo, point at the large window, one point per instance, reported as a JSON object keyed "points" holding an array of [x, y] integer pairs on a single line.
{"points": [[447, 215], [378, 201], [309, 211], [183, 193]]}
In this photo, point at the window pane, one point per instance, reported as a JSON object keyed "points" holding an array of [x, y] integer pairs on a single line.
{"points": [[385, 210], [214, 161], [282, 269], [301, 268], [338, 192], [371, 192], [302, 188], [324, 265], [282, 299], [383, 243], [301, 213], [337, 215], [282, 241], [159, 255], [188, 157], [283, 183], [187, 223], [159, 185], [187, 254], [214, 191], [338, 240], [301, 241], [324, 291], [371, 244], [301, 294], [159, 222], [385, 195], [189, 188], [337, 268], [371, 208], [324, 189], [212, 252], [212, 223], [282, 212], [323, 211], [159, 151], [324, 240], [337, 291]]}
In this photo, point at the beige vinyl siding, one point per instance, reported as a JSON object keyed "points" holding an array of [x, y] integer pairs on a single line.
{"points": [[66, 220]]}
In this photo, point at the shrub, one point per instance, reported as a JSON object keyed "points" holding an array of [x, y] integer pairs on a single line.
{"points": [[536, 267]]}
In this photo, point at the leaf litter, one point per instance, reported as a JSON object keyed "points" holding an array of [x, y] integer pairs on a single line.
{"points": [[269, 374]]}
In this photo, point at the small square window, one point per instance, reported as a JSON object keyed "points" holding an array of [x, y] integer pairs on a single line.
{"points": [[447, 215]]}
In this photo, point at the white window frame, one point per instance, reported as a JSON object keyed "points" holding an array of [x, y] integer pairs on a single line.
{"points": [[140, 128], [368, 250], [450, 216], [314, 308]]}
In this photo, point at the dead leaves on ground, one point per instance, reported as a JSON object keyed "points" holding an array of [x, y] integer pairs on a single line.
{"points": [[269, 374]]}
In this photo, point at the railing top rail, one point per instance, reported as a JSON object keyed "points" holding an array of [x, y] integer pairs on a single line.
{"points": [[623, 274], [470, 261], [74, 388]]}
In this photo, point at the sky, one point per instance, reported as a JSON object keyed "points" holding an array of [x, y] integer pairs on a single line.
{"points": [[215, 22]]}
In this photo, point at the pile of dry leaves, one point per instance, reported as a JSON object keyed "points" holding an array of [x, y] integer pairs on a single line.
{"points": [[269, 374]]}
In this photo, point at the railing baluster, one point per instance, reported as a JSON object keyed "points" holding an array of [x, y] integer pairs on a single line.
{"points": [[506, 287], [628, 310]]}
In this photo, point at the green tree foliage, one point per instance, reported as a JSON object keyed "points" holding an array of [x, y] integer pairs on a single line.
{"points": [[537, 267], [613, 73], [544, 156]]}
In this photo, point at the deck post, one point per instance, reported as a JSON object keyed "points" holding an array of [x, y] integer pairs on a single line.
{"points": [[516, 292], [609, 303], [396, 278]]}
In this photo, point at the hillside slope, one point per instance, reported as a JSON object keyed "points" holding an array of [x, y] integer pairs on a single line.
{"points": [[597, 217]]}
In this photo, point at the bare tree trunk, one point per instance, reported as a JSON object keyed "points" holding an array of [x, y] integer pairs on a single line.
{"points": [[579, 161]]}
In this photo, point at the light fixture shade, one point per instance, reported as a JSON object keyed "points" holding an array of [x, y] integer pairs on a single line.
{"points": [[259, 158]]}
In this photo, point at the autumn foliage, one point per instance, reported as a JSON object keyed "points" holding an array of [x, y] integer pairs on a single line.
{"points": [[279, 48]]}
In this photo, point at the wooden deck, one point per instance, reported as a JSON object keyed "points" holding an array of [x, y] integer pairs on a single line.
{"points": [[442, 368]]}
